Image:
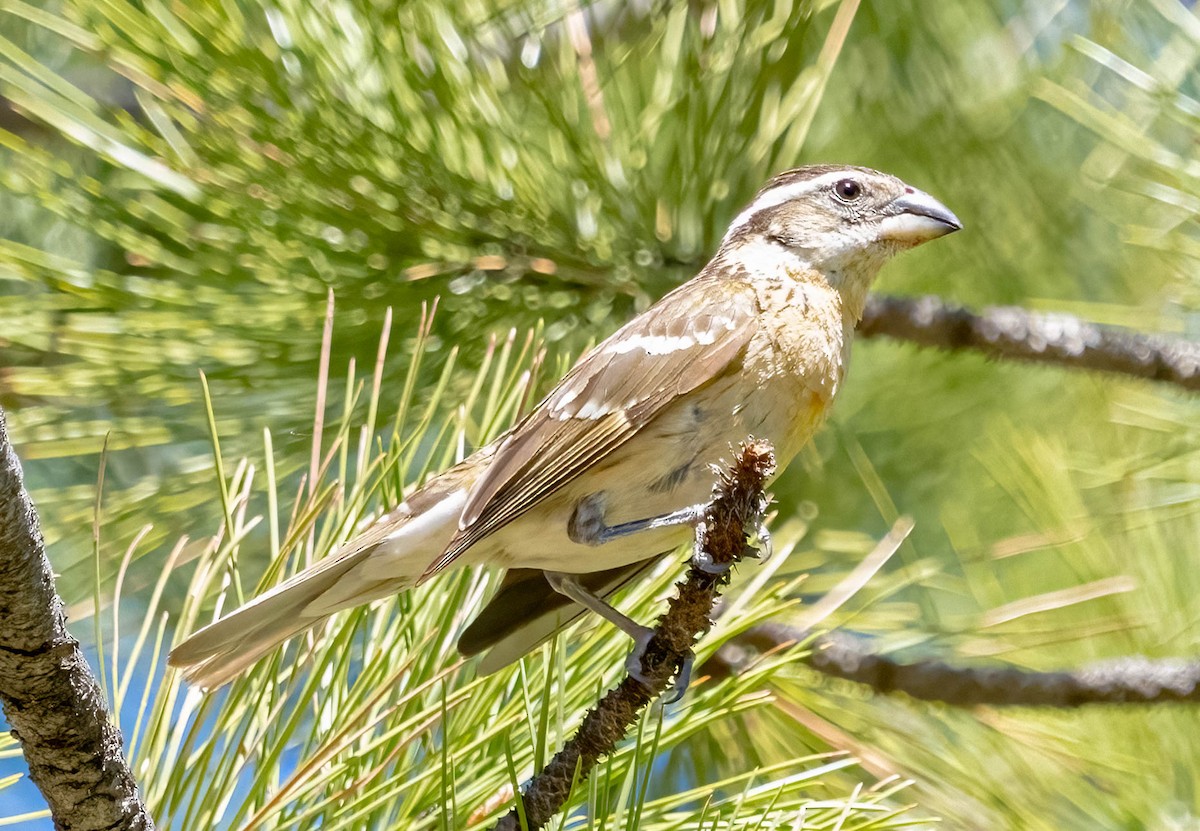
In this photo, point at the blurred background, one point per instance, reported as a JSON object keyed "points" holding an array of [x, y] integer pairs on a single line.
{"points": [[184, 183]]}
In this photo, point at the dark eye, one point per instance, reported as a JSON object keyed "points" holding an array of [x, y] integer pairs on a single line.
{"points": [[847, 189]]}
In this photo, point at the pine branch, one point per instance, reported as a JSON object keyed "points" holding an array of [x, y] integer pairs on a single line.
{"points": [[1019, 334], [738, 501], [50, 698], [1130, 680]]}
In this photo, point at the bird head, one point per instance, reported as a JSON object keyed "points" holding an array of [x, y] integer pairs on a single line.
{"points": [[842, 221]]}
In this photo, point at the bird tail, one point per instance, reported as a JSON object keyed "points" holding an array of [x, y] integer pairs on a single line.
{"points": [[387, 558], [214, 655]]}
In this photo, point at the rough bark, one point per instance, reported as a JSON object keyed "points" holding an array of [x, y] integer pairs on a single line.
{"points": [[52, 702], [1013, 333]]}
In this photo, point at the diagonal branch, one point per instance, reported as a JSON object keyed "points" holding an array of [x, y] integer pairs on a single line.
{"points": [[738, 501], [1014, 333], [49, 696]]}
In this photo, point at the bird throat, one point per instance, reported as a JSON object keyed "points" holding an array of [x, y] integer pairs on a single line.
{"points": [[850, 276]]}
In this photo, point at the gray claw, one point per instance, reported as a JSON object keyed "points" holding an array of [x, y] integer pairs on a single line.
{"points": [[633, 664], [700, 558], [766, 546], [633, 667], [702, 561], [683, 679]]}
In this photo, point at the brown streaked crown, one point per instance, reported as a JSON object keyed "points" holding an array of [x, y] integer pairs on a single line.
{"points": [[808, 172]]}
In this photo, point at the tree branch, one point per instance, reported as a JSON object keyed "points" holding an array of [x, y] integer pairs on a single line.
{"points": [[738, 500], [50, 698], [1131, 680], [1019, 334]]}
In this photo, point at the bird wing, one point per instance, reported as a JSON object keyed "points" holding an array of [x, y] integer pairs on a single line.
{"points": [[689, 338]]}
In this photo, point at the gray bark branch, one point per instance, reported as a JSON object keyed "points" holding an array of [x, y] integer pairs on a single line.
{"points": [[52, 702], [1129, 680], [1013, 333]]}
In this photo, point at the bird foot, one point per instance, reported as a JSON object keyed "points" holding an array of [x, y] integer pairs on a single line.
{"points": [[762, 552], [633, 667], [703, 561], [683, 679], [765, 548], [633, 664]]}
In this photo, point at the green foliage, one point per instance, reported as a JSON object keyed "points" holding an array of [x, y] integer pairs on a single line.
{"points": [[208, 171]]}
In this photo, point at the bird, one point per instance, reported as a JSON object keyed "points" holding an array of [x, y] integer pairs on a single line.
{"points": [[606, 473]]}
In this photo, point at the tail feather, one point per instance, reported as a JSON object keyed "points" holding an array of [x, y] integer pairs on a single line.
{"points": [[215, 654], [385, 559]]}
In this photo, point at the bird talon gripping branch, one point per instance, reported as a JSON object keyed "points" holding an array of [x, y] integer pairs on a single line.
{"points": [[633, 662], [683, 679], [703, 561], [756, 343], [765, 548]]}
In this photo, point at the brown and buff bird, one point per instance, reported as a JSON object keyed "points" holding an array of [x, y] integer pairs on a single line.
{"points": [[601, 477]]}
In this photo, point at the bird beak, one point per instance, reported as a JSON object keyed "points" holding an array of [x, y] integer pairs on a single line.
{"points": [[915, 217]]}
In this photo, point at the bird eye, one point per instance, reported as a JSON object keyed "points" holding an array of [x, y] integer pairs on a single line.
{"points": [[847, 190]]}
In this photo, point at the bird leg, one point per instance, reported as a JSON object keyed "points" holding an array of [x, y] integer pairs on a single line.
{"points": [[587, 525], [566, 584]]}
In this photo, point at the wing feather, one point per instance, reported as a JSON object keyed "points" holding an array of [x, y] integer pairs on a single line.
{"points": [[692, 336]]}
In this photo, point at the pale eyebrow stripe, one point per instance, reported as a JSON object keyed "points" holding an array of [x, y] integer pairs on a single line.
{"points": [[783, 193]]}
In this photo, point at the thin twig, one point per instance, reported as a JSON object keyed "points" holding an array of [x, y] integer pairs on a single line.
{"points": [[50, 697], [1130, 680], [1019, 334], [738, 501]]}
